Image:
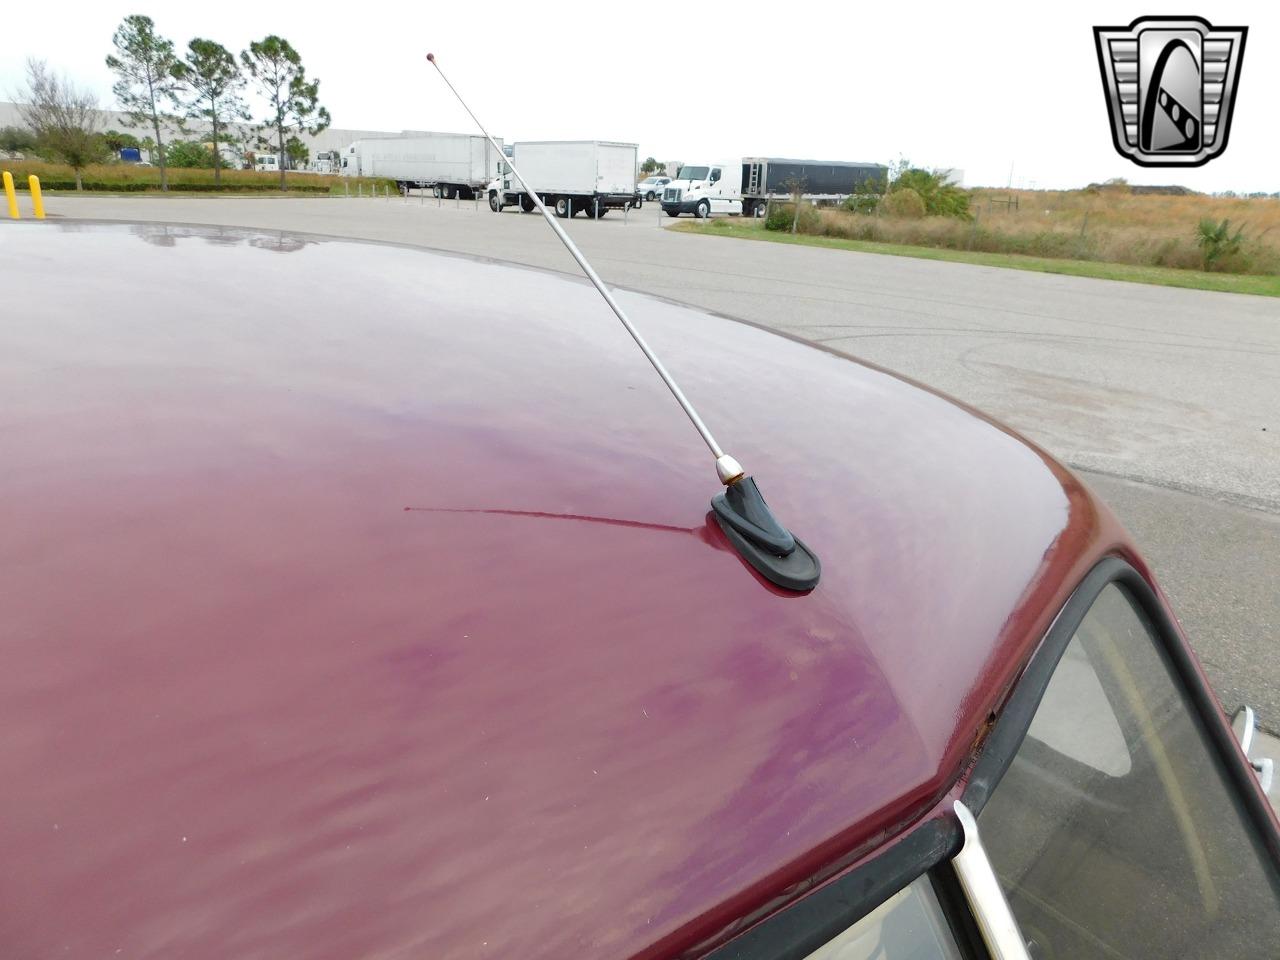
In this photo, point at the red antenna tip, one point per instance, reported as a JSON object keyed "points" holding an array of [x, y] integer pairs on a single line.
{"points": [[431, 57]]}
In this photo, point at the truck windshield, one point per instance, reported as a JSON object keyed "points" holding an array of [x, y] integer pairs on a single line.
{"points": [[693, 173]]}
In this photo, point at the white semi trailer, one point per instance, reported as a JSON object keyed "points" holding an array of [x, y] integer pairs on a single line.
{"points": [[590, 177], [451, 164]]}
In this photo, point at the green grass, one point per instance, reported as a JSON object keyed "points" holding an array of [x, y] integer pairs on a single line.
{"points": [[1261, 285]]}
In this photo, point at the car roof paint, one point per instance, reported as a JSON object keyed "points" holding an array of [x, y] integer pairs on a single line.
{"points": [[365, 601]]}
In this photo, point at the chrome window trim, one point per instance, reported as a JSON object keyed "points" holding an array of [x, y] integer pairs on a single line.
{"points": [[996, 923]]}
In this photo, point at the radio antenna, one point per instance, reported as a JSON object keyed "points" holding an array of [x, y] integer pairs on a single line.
{"points": [[740, 509]]}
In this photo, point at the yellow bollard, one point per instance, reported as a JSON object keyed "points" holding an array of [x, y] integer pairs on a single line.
{"points": [[11, 196], [37, 198]]}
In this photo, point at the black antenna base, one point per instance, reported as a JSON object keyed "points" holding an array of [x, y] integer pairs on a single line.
{"points": [[763, 542]]}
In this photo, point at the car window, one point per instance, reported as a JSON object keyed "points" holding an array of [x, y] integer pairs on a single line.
{"points": [[909, 925], [1116, 831], [1076, 720]]}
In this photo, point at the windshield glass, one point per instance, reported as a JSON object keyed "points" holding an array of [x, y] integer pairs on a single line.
{"points": [[693, 173], [1116, 832]]}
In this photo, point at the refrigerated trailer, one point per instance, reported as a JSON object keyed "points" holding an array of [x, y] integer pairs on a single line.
{"points": [[572, 176], [451, 164], [746, 186]]}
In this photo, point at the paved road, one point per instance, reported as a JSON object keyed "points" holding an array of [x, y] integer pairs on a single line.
{"points": [[1168, 400]]}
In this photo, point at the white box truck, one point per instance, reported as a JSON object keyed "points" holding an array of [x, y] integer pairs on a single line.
{"points": [[451, 164], [590, 177], [745, 186]]}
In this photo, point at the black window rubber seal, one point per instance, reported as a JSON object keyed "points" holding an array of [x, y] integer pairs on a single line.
{"points": [[801, 928], [821, 916], [1015, 719]]}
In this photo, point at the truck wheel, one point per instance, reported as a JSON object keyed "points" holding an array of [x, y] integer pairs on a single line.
{"points": [[603, 211], [562, 207], [673, 213], [526, 203], [494, 203], [651, 195], [590, 210], [704, 209]]}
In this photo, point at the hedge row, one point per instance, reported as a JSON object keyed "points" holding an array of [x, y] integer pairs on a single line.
{"points": [[128, 178], [176, 186]]}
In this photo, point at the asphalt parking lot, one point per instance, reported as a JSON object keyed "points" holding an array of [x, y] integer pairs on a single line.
{"points": [[1167, 401]]}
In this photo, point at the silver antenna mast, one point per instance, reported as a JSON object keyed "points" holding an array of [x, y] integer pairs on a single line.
{"points": [[740, 510], [727, 468]]}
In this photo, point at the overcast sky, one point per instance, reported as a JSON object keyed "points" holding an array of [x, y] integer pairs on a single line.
{"points": [[974, 86]]}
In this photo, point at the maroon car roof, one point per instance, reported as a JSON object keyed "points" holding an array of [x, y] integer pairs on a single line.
{"points": [[361, 601]]}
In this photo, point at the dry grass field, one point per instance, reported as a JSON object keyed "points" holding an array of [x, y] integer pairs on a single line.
{"points": [[1104, 226], [1115, 225], [1108, 231]]}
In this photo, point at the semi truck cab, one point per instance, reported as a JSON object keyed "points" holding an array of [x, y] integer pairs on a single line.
{"points": [[705, 188]]}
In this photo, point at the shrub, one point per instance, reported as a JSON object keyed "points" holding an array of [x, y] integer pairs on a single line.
{"points": [[17, 140], [779, 217], [904, 202], [867, 199], [1217, 243], [861, 202], [941, 197], [782, 215], [185, 153], [115, 141]]}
